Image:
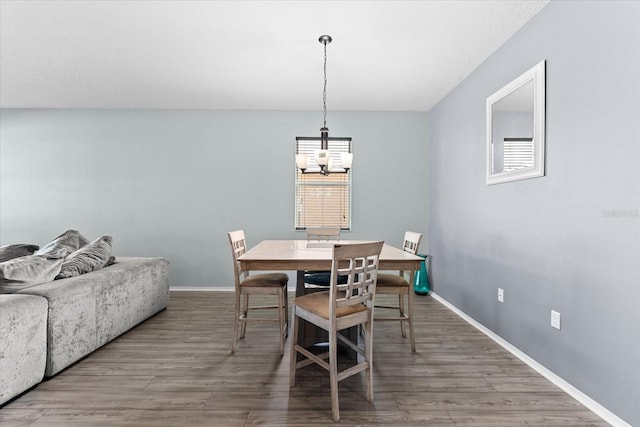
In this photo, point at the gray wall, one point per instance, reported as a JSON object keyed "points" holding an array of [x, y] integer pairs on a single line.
{"points": [[172, 183], [569, 241]]}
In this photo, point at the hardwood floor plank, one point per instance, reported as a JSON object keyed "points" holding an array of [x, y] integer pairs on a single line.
{"points": [[496, 401], [89, 383], [304, 418], [19, 417], [176, 369], [432, 383], [138, 417], [299, 398], [101, 399], [519, 418], [523, 384]]}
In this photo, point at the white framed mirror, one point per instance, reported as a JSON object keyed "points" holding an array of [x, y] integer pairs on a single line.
{"points": [[516, 128]]}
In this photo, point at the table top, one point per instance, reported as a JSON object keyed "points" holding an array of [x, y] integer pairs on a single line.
{"points": [[301, 254]]}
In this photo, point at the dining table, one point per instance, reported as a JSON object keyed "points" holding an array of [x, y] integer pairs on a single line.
{"points": [[304, 255]]}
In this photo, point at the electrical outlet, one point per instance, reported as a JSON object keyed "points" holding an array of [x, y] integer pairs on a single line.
{"points": [[555, 319], [500, 295]]}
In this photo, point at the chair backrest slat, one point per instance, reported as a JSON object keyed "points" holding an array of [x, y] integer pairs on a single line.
{"points": [[238, 247], [411, 242]]}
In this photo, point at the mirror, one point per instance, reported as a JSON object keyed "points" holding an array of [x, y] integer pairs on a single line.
{"points": [[516, 127]]}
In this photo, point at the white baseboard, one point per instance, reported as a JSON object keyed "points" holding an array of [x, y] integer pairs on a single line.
{"points": [[201, 288], [210, 288], [591, 404]]}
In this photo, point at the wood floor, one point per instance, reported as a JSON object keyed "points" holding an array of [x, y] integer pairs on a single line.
{"points": [[176, 370]]}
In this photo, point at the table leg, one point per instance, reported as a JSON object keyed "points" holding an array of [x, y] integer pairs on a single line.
{"points": [[299, 283], [412, 337]]}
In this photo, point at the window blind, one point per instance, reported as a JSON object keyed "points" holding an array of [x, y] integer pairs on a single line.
{"points": [[518, 153]]}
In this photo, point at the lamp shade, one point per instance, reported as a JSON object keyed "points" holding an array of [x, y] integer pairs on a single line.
{"points": [[346, 159], [322, 157], [302, 161]]}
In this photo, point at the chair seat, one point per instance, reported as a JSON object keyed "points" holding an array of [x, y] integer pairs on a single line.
{"points": [[318, 304], [392, 280], [266, 280], [323, 278]]}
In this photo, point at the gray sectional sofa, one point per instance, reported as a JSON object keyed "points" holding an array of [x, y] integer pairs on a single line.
{"points": [[47, 327]]}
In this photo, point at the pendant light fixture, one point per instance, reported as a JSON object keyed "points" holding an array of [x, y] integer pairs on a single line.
{"points": [[323, 156]]}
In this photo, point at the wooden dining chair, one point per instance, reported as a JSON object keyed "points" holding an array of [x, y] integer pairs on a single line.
{"points": [[342, 307], [314, 280], [398, 284], [256, 284]]}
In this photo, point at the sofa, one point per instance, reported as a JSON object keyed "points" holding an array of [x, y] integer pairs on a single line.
{"points": [[47, 327]]}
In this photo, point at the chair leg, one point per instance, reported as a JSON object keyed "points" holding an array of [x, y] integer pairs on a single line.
{"points": [[402, 310], [236, 323], [333, 373], [245, 312], [283, 330], [294, 341], [411, 334], [368, 350], [286, 310]]}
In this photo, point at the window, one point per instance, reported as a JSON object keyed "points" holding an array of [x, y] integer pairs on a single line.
{"points": [[323, 201]]}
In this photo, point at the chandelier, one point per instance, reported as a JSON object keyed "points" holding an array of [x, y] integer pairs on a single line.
{"points": [[323, 156]]}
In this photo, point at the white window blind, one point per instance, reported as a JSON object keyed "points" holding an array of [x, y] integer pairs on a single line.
{"points": [[518, 153], [323, 201]]}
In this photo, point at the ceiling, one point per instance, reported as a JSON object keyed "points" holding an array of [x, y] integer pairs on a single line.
{"points": [[249, 55]]}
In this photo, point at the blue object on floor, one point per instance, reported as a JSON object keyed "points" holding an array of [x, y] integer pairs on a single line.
{"points": [[421, 282]]}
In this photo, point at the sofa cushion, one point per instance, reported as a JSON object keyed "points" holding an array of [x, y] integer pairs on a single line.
{"points": [[69, 240], [71, 322], [90, 257], [24, 272], [23, 343], [8, 252]]}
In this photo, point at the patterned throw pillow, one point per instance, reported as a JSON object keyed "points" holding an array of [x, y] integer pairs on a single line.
{"points": [[90, 257]]}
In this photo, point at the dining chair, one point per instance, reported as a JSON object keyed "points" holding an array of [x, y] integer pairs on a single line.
{"points": [[314, 280], [256, 284], [398, 284], [341, 307]]}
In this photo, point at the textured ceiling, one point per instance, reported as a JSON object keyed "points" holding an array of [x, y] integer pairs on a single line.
{"points": [[260, 55]]}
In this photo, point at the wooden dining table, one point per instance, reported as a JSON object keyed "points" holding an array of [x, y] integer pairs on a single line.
{"points": [[303, 255]]}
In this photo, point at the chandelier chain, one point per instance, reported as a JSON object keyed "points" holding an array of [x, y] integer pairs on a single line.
{"points": [[324, 92]]}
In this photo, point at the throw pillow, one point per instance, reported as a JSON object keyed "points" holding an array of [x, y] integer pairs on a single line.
{"points": [[8, 252], [69, 240], [90, 257], [82, 241], [24, 272]]}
